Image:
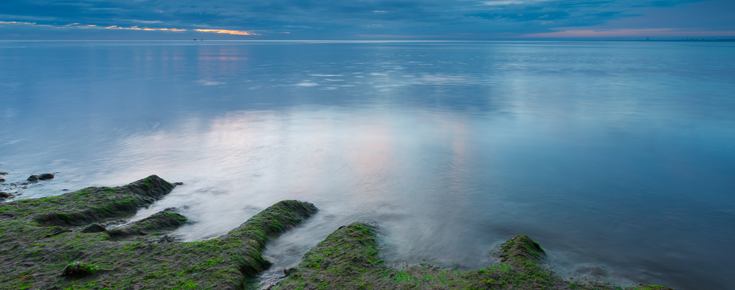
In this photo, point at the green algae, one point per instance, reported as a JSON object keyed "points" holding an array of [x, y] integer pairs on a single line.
{"points": [[43, 237], [348, 259]]}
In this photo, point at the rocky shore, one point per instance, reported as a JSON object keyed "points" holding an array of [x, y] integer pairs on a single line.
{"points": [[63, 242]]}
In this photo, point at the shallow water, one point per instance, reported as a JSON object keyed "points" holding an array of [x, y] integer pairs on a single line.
{"points": [[618, 157]]}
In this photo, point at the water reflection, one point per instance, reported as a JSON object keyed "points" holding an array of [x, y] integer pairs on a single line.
{"points": [[613, 156]]}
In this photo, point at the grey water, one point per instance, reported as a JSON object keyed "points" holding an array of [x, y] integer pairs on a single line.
{"points": [[617, 157]]}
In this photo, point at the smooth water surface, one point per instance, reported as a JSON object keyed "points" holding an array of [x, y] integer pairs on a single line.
{"points": [[618, 157]]}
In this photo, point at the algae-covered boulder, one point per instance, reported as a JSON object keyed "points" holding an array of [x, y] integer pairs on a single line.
{"points": [[96, 203], [160, 221]]}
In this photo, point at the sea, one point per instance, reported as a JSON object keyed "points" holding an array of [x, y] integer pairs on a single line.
{"points": [[617, 157]]}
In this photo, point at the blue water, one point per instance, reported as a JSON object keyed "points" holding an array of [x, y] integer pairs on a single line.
{"points": [[618, 157]]}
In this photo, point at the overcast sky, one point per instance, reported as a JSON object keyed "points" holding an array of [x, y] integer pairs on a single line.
{"points": [[365, 19]]}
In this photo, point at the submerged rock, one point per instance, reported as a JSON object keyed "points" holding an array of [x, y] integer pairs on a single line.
{"points": [[46, 176], [36, 178], [3, 173], [4, 195]]}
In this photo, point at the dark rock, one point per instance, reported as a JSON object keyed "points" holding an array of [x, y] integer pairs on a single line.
{"points": [[79, 269], [2, 179], [4, 195], [3, 173], [33, 178], [46, 176], [95, 228], [166, 239], [178, 183], [289, 271]]}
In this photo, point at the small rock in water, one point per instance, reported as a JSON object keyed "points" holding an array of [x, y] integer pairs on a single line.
{"points": [[46, 176], [3, 173], [33, 178], [2, 179], [289, 271], [95, 228], [4, 195], [178, 183], [64, 189]]}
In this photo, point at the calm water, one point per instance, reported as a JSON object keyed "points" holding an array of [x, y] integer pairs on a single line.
{"points": [[618, 157]]}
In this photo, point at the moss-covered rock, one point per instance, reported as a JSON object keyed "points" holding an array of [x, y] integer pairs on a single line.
{"points": [[41, 237], [159, 222], [348, 259]]}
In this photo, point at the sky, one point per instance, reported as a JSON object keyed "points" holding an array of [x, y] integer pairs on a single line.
{"points": [[366, 19]]}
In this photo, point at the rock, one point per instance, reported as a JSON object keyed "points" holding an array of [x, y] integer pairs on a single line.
{"points": [[46, 176], [79, 269], [4, 195], [2, 179], [94, 228], [33, 178], [3, 173], [178, 183], [289, 271]]}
